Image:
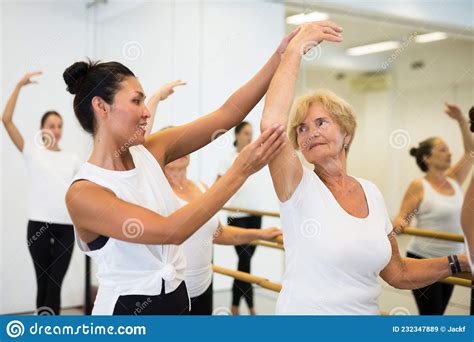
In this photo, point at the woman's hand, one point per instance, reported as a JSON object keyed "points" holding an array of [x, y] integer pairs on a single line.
{"points": [[311, 34], [27, 78], [286, 40], [453, 111], [269, 234], [259, 153], [463, 261], [168, 89]]}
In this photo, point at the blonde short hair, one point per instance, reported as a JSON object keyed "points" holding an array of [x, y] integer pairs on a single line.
{"points": [[341, 111]]}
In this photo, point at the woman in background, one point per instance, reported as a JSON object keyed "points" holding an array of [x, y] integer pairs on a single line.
{"points": [[50, 233], [248, 198], [435, 201]]}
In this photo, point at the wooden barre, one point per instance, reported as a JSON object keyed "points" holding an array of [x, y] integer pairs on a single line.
{"points": [[270, 244], [247, 277], [428, 233], [461, 280]]}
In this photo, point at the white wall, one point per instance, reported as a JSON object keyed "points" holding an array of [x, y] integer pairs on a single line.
{"points": [[35, 36]]}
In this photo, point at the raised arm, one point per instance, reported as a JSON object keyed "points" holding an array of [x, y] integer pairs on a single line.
{"points": [[410, 204], [7, 117], [176, 142], [161, 95], [286, 169], [461, 169], [97, 211], [409, 273]]}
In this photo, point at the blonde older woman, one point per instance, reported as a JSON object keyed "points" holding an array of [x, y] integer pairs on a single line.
{"points": [[337, 233]]}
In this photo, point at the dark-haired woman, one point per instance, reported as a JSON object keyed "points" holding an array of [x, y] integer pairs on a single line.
{"points": [[435, 201], [50, 236], [125, 214], [247, 197]]}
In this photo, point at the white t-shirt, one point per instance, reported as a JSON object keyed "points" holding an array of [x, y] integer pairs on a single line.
{"points": [[50, 174], [333, 259], [127, 268], [198, 251], [441, 213], [247, 197]]}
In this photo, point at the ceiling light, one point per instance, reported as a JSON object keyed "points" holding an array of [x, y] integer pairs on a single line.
{"points": [[301, 18], [373, 48], [430, 37]]}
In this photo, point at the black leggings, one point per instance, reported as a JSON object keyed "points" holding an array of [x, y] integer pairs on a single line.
{"points": [[51, 247], [202, 305], [173, 303], [244, 253], [432, 299]]}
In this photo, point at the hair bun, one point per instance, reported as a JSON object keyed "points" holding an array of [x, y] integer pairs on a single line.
{"points": [[413, 151], [74, 75]]}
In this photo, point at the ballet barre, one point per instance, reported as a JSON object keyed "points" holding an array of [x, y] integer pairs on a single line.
{"points": [[408, 230]]}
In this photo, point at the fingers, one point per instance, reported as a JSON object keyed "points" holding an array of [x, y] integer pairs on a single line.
{"points": [[330, 30], [277, 152], [177, 83], [268, 144], [330, 24], [266, 134], [274, 149], [292, 34], [332, 38]]}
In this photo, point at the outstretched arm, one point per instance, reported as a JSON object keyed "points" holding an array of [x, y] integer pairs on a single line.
{"points": [[98, 211], [286, 169], [409, 273], [161, 95], [7, 117]]}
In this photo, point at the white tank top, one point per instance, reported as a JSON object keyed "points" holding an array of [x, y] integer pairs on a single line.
{"points": [[198, 251], [50, 174], [126, 268], [333, 259], [441, 213]]}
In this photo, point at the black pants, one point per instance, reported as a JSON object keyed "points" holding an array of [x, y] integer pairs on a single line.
{"points": [[202, 305], [244, 253], [51, 247], [173, 303], [432, 299]]}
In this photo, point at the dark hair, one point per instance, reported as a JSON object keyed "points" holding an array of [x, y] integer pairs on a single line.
{"points": [[47, 115], [471, 118], [424, 149], [88, 79], [238, 128]]}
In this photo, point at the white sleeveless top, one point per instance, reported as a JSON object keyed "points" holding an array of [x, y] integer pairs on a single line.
{"points": [[333, 259], [126, 268], [198, 251], [50, 174], [441, 213]]}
